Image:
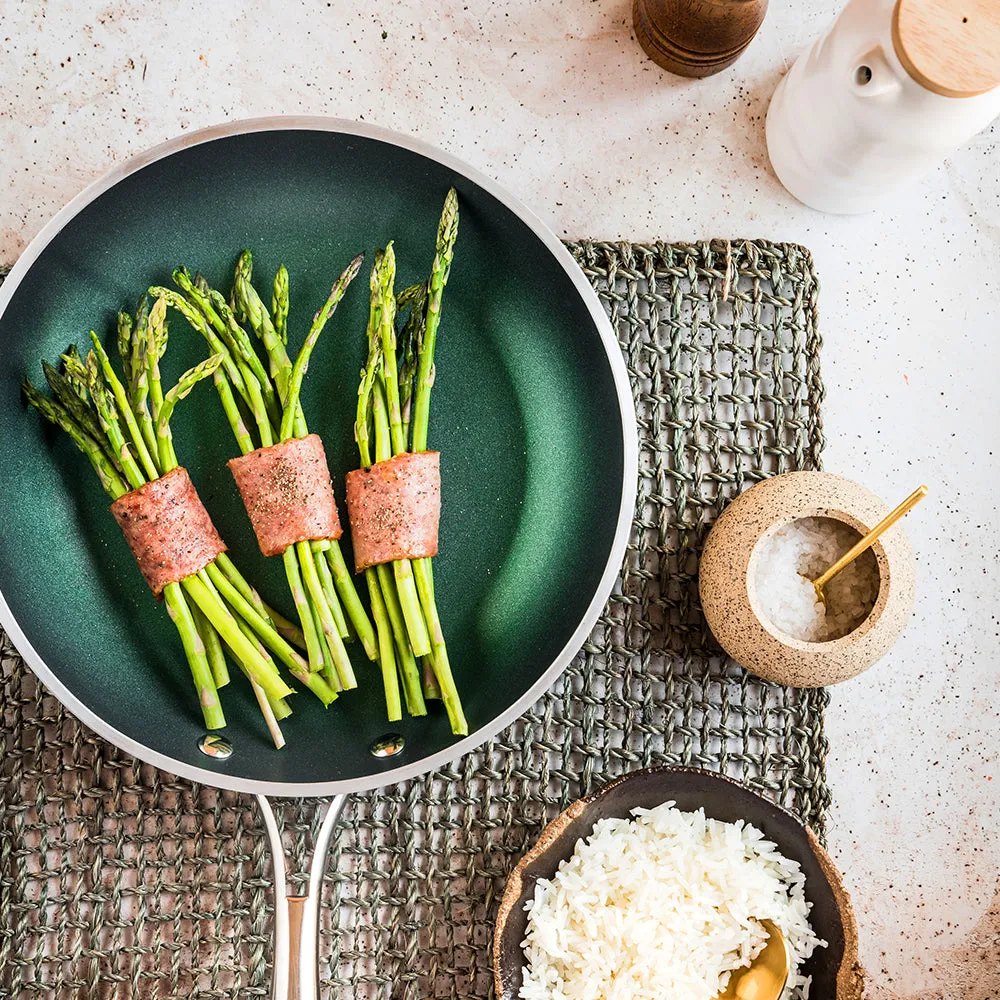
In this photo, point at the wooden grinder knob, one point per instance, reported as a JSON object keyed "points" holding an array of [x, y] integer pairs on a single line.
{"points": [[696, 37]]}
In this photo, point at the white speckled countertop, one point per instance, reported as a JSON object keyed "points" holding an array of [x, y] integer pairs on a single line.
{"points": [[557, 102]]}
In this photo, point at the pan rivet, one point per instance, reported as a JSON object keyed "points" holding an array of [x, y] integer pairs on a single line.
{"points": [[388, 745], [213, 745]]}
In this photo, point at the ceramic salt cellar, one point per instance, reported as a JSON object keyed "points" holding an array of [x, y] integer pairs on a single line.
{"points": [[735, 592]]}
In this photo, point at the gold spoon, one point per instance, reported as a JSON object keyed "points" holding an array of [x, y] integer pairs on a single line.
{"points": [[855, 550], [766, 976]]}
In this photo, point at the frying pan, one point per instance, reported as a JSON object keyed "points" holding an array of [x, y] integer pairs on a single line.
{"points": [[532, 413]]}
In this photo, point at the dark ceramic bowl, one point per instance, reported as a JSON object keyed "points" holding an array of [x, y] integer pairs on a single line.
{"points": [[835, 970]]}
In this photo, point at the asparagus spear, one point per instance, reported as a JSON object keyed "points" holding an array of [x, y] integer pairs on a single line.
{"points": [[217, 313], [386, 655], [176, 301], [213, 648], [329, 590], [392, 590], [249, 302], [381, 327], [194, 647], [137, 370], [364, 420], [440, 269], [79, 409], [348, 594], [412, 689], [301, 366], [422, 569], [411, 335], [283, 626], [57, 414], [185, 384], [108, 418], [319, 600], [279, 304], [124, 406], [415, 299]]}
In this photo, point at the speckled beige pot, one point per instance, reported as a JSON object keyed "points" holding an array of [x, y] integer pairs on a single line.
{"points": [[729, 599]]}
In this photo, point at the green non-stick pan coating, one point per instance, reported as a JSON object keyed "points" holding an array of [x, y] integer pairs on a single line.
{"points": [[529, 411]]}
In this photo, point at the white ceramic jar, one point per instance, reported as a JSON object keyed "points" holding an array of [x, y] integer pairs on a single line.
{"points": [[856, 116]]}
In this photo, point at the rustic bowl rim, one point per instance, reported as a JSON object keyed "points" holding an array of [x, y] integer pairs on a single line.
{"points": [[850, 975]]}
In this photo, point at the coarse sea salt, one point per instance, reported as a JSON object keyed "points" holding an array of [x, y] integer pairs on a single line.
{"points": [[790, 558]]}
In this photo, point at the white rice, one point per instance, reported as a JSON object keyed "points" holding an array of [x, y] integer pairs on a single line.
{"points": [[790, 558], [662, 907]]}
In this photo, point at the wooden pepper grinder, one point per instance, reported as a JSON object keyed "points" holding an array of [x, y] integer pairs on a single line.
{"points": [[696, 37]]}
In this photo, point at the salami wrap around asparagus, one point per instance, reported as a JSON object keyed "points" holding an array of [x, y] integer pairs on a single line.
{"points": [[168, 529], [394, 509], [288, 494]]}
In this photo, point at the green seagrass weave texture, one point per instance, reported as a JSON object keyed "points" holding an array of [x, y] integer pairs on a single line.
{"points": [[120, 881]]}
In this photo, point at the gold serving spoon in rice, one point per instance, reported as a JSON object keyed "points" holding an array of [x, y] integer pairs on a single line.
{"points": [[855, 550], [765, 977]]}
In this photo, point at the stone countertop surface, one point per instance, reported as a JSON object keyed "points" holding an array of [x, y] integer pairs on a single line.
{"points": [[557, 102]]}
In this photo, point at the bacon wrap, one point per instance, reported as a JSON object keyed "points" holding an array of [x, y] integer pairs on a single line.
{"points": [[168, 529], [394, 508], [288, 494]]}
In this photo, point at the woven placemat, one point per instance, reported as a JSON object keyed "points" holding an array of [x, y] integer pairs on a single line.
{"points": [[117, 880]]}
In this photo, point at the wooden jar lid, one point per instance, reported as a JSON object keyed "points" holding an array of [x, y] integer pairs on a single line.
{"points": [[951, 47]]}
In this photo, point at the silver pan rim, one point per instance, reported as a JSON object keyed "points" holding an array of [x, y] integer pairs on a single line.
{"points": [[619, 372]]}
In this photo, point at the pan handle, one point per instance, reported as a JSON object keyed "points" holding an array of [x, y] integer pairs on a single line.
{"points": [[296, 918]]}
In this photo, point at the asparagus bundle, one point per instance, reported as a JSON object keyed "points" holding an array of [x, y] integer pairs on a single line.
{"points": [[325, 598], [122, 425], [393, 415]]}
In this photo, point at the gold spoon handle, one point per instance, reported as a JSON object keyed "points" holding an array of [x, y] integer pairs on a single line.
{"points": [[767, 974], [887, 522]]}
